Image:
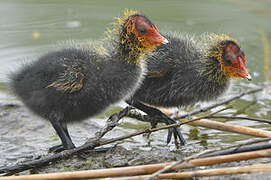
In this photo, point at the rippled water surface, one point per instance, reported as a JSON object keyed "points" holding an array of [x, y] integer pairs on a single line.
{"points": [[29, 28]]}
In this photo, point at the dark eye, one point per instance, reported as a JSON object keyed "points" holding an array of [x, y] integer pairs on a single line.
{"points": [[142, 31], [227, 59]]}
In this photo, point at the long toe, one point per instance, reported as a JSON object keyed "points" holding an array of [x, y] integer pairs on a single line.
{"points": [[169, 135], [174, 131], [59, 148], [178, 134], [56, 149]]}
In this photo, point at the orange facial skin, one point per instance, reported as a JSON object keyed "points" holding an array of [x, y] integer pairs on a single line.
{"points": [[146, 32], [234, 61], [139, 35], [151, 36]]}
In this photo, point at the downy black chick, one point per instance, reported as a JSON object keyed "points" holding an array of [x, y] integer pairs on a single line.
{"points": [[72, 84], [186, 71]]}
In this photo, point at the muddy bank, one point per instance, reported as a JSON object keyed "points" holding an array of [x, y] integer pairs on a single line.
{"points": [[24, 137]]}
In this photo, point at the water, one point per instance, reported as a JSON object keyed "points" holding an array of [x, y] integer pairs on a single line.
{"points": [[29, 28]]}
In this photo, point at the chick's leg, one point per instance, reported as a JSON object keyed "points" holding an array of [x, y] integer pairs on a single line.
{"points": [[159, 117], [62, 131]]}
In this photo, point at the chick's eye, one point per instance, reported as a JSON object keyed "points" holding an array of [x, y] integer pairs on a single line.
{"points": [[227, 59], [142, 31]]}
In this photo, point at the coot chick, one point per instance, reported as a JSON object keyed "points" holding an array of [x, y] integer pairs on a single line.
{"points": [[186, 71], [72, 84]]}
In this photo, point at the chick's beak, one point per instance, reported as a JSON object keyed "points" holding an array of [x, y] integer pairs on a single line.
{"points": [[156, 38], [165, 41], [243, 71], [248, 77]]}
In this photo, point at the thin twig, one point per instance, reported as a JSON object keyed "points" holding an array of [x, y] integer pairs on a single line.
{"points": [[209, 124], [218, 111], [218, 104], [112, 122], [147, 131], [239, 150], [236, 117], [152, 130]]}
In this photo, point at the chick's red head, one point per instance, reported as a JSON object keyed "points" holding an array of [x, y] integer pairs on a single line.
{"points": [[146, 32], [234, 61]]}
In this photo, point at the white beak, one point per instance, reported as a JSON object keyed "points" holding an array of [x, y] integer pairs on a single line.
{"points": [[165, 41], [248, 77]]}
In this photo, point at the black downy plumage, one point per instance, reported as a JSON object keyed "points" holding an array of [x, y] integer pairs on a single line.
{"points": [[72, 84], [186, 71]]}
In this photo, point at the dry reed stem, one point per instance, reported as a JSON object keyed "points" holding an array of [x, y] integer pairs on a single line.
{"points": [[224, 127], [208, 172], [144, 169]]}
